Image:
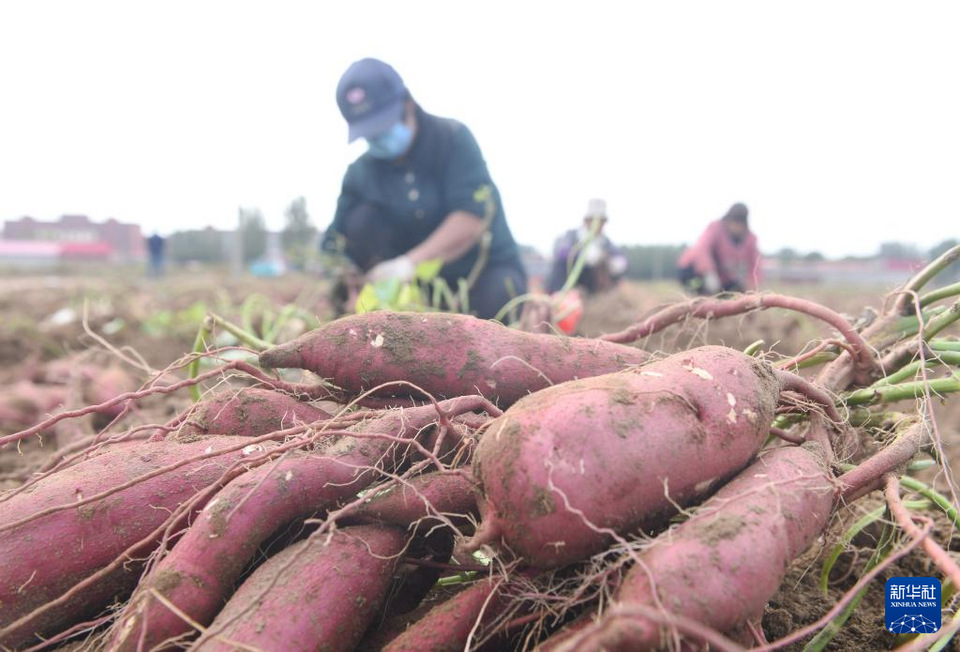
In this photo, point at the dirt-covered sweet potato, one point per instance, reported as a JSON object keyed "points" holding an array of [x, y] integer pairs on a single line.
{"points": [[619, 451], [249, 412], [318, 594], [446, 355], [200, 571], [720, 567], [43, 557]]}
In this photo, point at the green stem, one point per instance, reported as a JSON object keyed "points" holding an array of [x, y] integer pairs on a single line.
{"points": [[920, 465], [247, 338], [442, 290], [825, 635], [754, 348], [945, 292], [912, 484], [903, 391], [905, 327], [288, 311], [841, 545], [944, 345], [813, 361], [199, 346], [922, 277], [581, 260], [516, 301], [464, 292], [941, 321], [459, 578], [248, 307], [941, 644], [932, 494], [912, 369]]}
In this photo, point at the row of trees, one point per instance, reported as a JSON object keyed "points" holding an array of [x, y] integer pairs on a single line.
{"points": [[887, 251], [298, 238]]}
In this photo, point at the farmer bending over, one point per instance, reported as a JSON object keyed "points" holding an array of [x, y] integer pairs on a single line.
{"points": [[725, 258], [420, 192], [604, 264]]}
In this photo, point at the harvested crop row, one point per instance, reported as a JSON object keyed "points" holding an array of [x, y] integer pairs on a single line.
{"points": [[301, 530]]}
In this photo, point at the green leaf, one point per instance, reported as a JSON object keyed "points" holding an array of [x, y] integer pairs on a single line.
{"points": [[387, 291], [428, 270], [367, 300], [390, 294], [409, 298], [194, 314]]}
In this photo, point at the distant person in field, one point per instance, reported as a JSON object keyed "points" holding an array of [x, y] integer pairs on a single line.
{"points": [[155, 246], [420, 192], [724, 259], [604, 264]]}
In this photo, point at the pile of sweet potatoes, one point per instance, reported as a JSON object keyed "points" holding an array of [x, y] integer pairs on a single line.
{"points": [[472, 486]]}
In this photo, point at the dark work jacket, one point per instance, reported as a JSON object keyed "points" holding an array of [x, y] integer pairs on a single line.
{"points": [[443, 172]]}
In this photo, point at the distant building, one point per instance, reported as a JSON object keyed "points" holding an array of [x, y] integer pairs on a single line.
{"points": [[81, 238], [24, 254]]}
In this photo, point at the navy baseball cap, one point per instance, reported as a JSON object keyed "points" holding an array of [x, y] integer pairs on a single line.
{"points": [[371, 98]]}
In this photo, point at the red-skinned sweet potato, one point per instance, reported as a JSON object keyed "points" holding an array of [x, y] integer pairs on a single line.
{"points": [[42, 559], [249, 412], [323, 594], [24, 403], [97, 384], [446, 355], [200, 571], [450, 494], [622, 448], [101, 385], [720, 567], [446, 627]]}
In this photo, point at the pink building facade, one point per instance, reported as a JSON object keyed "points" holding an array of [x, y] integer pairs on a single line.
{"points": [[110, 241]]}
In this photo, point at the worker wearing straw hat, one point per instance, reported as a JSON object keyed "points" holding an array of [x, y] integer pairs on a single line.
{"points": [[604, 264]]}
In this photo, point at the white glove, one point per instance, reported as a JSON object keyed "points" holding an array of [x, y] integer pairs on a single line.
{"points": [[617, 265], [594, 252], [711, 283], [400, 268]]}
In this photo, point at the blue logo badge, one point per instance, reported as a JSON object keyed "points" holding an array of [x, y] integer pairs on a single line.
{"points": [[912, 605]]}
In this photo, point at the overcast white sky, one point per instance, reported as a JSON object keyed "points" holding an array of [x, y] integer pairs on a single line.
{"points": [[838, 123]]}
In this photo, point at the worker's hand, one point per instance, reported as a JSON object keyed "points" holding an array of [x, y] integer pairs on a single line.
{"points": [[711, 283], [617, 265], [400, 268], [594, 252]]}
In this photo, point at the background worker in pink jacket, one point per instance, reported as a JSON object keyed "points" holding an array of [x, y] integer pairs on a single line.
{"points": [[724, 258]]}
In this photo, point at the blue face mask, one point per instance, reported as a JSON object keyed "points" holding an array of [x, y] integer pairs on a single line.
{"points": [[392, 143]]}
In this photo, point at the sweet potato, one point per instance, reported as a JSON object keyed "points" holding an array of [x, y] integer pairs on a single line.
{"points": [[249, 412], [97, 384], [320, 594], [200, 571], [622, 449], [451, 494], [43, 558], [720, 567], [446, 627], [101, 385], [446, 355], [24, 403]]}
